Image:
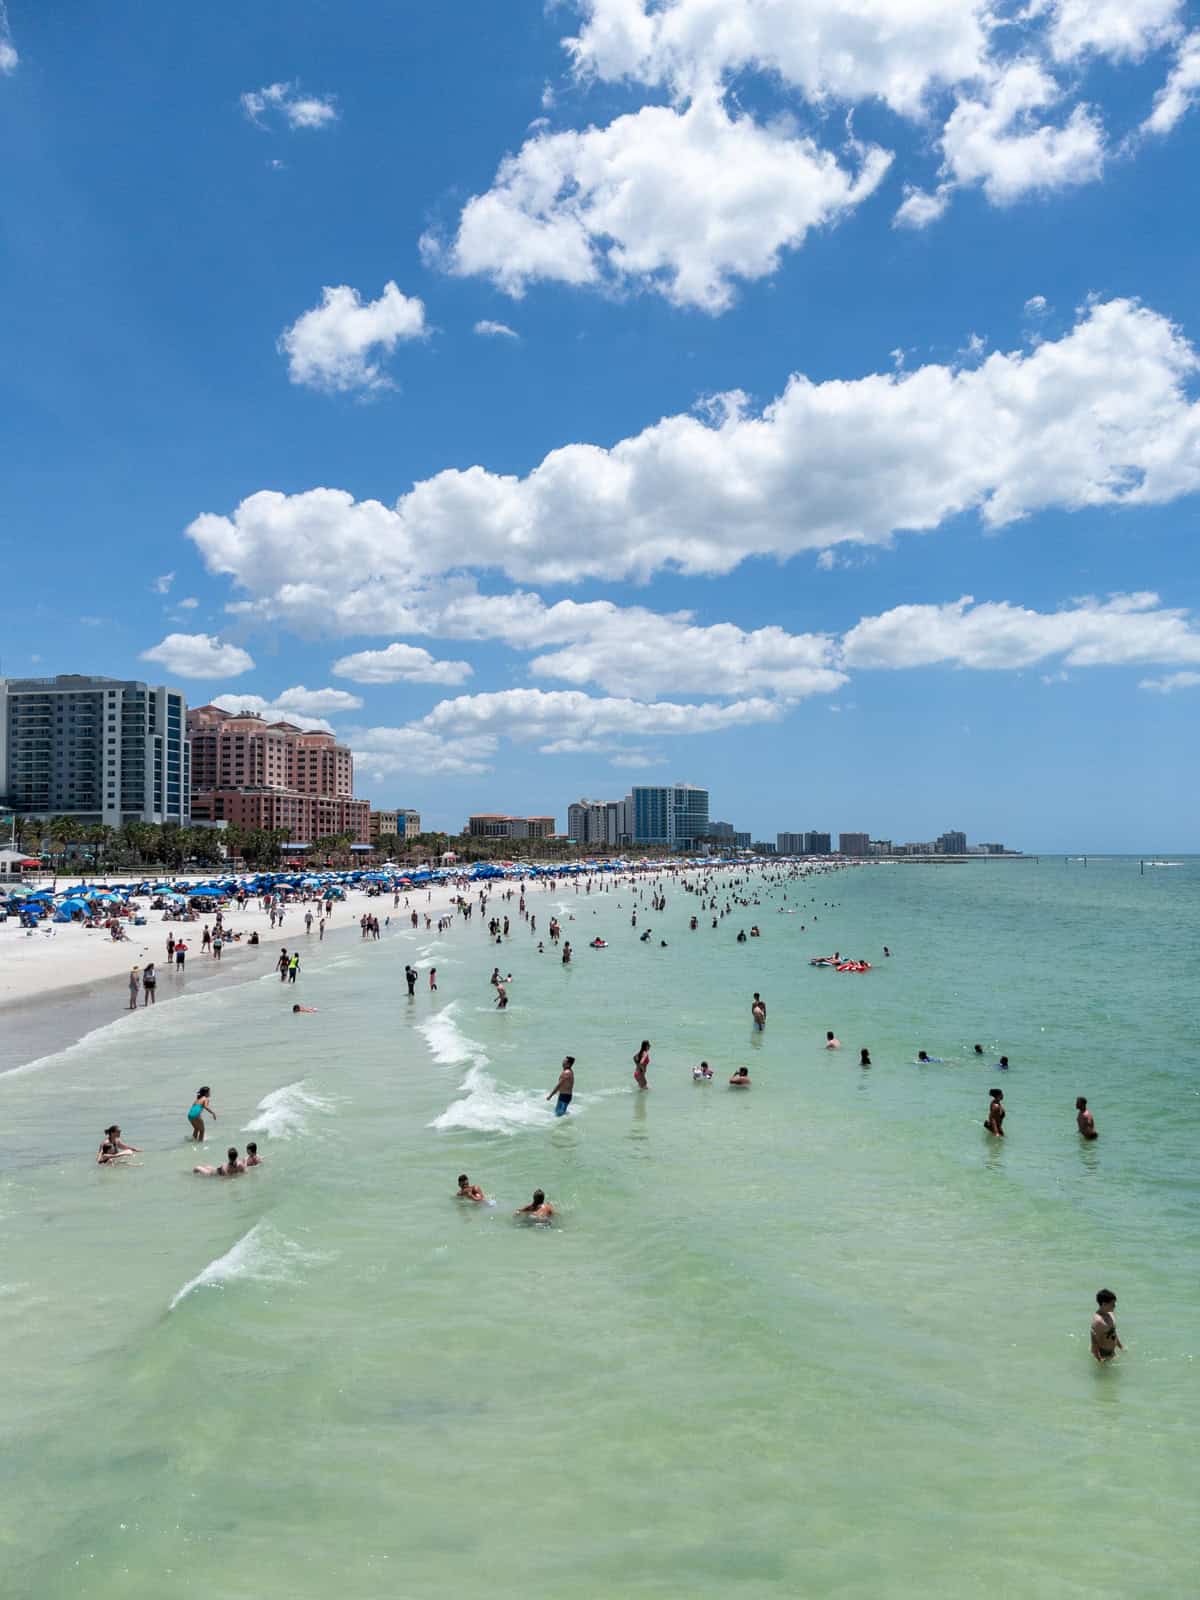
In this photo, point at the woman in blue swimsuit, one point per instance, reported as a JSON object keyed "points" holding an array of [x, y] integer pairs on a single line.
{"points": [[196, 1113]]}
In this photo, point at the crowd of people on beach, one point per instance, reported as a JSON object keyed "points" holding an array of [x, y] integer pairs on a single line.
{"points": [[737, 894]]}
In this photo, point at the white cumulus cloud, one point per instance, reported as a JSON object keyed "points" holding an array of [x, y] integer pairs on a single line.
{"points": [[1181, 90], [257, 705], [199, 655], [897, 51], [998, 140], [1113, 28], [1123, 630], [400, 663], [9, 59], [919, 208], [284, 102], [1171, 682], [329, 347], [684, 202], [856, 460]]}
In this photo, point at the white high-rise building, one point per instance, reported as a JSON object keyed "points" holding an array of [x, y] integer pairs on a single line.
{"points": [[674, 815], [100, 750]]}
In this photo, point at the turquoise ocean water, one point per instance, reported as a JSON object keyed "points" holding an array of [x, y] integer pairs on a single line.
{"points": [[823, 1338]]}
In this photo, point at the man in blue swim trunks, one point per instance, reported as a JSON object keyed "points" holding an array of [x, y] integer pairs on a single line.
{"points": [[565, 1087]]}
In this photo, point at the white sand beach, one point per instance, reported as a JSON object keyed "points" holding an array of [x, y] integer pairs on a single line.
{"points": [[61, 956]]}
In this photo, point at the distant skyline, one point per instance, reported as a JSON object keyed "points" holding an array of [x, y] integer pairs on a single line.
{"points": [[416, 380]]}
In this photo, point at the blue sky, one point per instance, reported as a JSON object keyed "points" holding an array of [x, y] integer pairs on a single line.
{"points": [[551, 399]]}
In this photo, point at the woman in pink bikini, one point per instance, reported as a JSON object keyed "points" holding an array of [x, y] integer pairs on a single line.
{"points": [[640, 1062]]}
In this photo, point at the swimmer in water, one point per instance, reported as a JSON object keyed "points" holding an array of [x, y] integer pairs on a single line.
{"points": [[1105, 1342], [641, 1061], [864, 1058], [539, 1208], [468, 1190], [1003, 1063], [740, 1079], [232, 1168], [565, 1087], [196, 1113], [831, 1043], [996, 1113], [302, 1008], [1084, 1120], [253, 1159], [703, 1073], [978, 1049], [114, 1147]]}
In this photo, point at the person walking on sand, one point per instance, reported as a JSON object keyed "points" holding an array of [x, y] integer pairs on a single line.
{"points": [[149, 985], [1084, 1119], [135, 983], [996, 1113], [564, 1088], [1105, 1342], [196, 1113], [641, 1062]]}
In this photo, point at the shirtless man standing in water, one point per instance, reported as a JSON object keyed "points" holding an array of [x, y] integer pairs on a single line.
{"points": [[1105, 1342], [565, 1087], [1084, 1119]]}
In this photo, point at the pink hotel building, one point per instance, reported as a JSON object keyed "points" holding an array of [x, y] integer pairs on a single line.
{"points": [[262, 774]]}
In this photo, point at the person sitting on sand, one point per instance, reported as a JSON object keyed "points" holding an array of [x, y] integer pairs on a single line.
{"points": [[114, 1147], [539, 1208], [740, 1079], [468, 1190], [232, 1168], [253, 1159]]}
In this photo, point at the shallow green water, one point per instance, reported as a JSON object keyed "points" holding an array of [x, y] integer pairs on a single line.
{"points": [[823, 1338]]}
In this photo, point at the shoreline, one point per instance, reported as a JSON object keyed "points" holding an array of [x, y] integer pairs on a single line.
{"points": [[53, 1017]]}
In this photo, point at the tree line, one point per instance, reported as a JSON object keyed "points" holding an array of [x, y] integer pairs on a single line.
{"points": [[65, 840]]}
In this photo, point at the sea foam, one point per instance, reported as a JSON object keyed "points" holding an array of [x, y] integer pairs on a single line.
{"points": [[286, 1113], [486, 1107], [263, 1255], [448, 1044]]}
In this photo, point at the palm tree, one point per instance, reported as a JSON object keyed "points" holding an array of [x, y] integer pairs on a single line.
{"points": [[64, 831], [28, 831]]}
